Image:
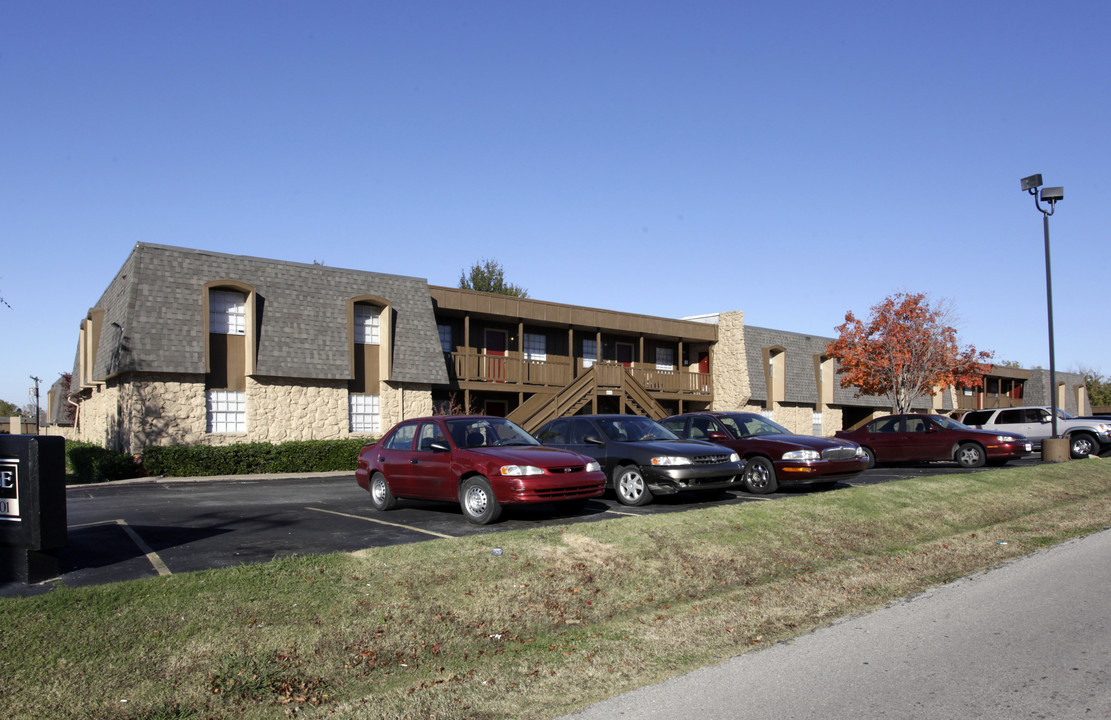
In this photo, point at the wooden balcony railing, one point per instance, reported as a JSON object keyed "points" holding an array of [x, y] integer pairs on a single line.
{"points": [[557, 371]]}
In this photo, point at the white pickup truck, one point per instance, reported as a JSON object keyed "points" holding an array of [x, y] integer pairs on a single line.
{"points": [[1086, 435]]}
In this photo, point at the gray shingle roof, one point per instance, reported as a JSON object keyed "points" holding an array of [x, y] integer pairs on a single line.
{"points": [[801, 385], [153, 319]]}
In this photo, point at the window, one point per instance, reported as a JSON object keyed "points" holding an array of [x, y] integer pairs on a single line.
{"points": [[701, 427], [430, 432], [445, 337], [226, 411], [364, 413], [665, 358], [227, 312], [367, 329], [816, 424], [590, 352], [554, 432], [536, 347], [402, 438]]}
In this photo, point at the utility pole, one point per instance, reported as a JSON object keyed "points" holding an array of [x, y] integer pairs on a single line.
{"points": [[35, 392]]}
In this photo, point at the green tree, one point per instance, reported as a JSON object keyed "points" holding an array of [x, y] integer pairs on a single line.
{"points": [[8, 409], [488, 276], [1099, 387]]}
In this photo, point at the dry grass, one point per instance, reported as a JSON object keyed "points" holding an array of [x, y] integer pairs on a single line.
{"points": [[561, 618]]}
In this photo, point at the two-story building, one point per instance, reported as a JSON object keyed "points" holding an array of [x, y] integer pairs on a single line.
{"points": [[195, 347]]}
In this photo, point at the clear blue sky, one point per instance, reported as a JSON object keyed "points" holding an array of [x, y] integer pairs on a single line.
{"points": [[794, 160]]}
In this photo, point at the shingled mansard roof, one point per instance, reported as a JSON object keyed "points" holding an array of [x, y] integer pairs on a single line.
{"points": [[153, 323], [801, 386]]}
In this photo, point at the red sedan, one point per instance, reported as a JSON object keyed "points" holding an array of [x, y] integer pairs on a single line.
{"points": [[895, 438], [480, 462]]}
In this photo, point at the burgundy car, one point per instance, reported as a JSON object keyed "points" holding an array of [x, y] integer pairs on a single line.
{"points": [[896, 438], [480, 462], [772, 453]]}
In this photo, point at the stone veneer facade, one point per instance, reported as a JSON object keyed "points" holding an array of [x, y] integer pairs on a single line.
{"points": [[729, 366], [170, 410]]}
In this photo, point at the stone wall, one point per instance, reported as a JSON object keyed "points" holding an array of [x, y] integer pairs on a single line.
{"points": [[799, 419], [401, 401], [729, 363], [153, 409], [279, 410], [98, 417]]}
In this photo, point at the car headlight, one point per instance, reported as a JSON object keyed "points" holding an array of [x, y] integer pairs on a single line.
{"points": [[519, 470], [1006, 438], [734, 457], [860, 452], [802, 455], [671, 460], [594, 466]]}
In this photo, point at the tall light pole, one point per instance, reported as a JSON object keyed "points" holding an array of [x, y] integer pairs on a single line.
{"points": [[1049, 195]]}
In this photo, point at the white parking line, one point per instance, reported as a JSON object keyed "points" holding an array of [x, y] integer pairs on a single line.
{"points": [[383, 522], [151, 555]]}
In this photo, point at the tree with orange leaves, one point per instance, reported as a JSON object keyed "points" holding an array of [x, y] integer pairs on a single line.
{"points": [[906, 350]]}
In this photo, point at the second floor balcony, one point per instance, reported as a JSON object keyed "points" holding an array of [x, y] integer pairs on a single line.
{"points": [[475, 369]]}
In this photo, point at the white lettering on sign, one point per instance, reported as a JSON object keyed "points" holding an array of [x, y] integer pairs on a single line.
{"points": [[9, 489]]}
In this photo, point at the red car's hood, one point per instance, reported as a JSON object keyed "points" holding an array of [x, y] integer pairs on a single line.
{"points": [[537, 455]]}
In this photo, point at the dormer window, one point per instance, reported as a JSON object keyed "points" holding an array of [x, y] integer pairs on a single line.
{"points": [[367, 324], [227, 312]]}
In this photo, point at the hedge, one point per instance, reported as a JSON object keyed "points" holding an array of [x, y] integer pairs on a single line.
{"points": [[89, 463], [250, 458]]}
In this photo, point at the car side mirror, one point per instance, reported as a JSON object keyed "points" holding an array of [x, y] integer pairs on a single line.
{"points": [[594, 440], [439, 446], [717, 435]]}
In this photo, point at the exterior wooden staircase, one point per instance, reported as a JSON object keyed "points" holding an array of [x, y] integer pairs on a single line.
{"points": [[600, 379]]}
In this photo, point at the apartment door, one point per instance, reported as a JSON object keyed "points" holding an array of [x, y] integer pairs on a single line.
{"points": [[496, 343], [625, 354]]}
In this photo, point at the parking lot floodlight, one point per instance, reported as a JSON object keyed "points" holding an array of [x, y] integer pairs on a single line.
{"points": [[1032, 183], [1053, 194], [1050, 195]]}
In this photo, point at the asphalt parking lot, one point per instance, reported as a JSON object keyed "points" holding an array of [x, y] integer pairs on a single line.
{"points": [[137, 529]]}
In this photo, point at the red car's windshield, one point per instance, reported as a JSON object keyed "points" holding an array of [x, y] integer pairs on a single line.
{"points": [[487, 432]]}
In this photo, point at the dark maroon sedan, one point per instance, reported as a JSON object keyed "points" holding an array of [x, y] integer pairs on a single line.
{"points": [[772, 453], [907, 438], [480, 462]]}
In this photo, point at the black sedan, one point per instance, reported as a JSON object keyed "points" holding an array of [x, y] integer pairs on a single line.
{"points": [[642, 458]]}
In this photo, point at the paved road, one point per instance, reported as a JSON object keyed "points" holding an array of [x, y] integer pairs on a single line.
{"points": [[121, 531], [1029, 640]]}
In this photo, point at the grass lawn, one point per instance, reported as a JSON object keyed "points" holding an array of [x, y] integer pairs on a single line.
{"points": [[522, 624]]}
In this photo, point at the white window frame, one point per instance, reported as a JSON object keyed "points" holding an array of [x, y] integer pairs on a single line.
{"points": [[364, 413], [225, 411], [535, 347], [665, 352], [816, 424], [590, 352], [367, 324], [227, 312]]}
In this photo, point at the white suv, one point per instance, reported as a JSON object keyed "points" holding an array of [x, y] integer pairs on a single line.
{"points": [[1087, 436]]}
